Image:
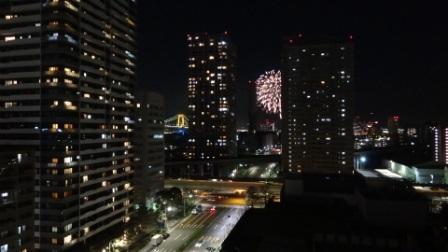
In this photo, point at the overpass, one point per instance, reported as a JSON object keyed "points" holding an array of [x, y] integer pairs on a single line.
{"points": [[222, 186], [216, 168], [247, 159]]}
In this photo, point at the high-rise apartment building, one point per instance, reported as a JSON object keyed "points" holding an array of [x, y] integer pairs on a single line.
{"points": [[211, 96], [149, 145], [16, 201], [440, 144], [66, 90], [317, 104]]}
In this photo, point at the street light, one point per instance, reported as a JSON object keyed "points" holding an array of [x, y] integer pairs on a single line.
{"points": [[362, 161], [165, 215]]}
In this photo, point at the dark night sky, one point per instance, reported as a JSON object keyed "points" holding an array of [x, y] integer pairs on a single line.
{"points": [[401, 48]]}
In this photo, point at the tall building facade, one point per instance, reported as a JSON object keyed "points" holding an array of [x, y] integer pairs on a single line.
{"points": [[149, 145], [440, 144], [393, 124], [16, 201], [211, 96], [317, 103], [66, 90]]}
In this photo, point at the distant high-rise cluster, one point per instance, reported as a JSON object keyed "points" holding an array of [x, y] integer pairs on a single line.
{"points": [[66, 93], [317, 104], [211, 96]]}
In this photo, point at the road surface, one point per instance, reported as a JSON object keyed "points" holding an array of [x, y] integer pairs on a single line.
{"points": [[210, 226], [215, 233]]}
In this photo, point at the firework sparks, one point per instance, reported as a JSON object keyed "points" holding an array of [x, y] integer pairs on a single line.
{"points": [[268, 90]]}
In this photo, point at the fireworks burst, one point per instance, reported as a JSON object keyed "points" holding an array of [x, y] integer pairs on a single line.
{"points": [[268, 90]]}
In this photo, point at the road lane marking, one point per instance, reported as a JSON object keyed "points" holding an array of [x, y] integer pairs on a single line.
{"points": [[194, 219], [204, 220], [177, 237]]}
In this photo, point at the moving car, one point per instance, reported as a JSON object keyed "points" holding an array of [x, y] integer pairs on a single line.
{"points": [[156, 240], [199, 244]]}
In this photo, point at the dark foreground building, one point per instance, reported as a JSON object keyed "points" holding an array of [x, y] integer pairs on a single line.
{"points": [[365, 214], [149, 145], [67, 71], [317, 104], [16, 201]]}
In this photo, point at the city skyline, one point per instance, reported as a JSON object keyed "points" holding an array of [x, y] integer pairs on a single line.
{"points": [[384, 37], [133, 125]]}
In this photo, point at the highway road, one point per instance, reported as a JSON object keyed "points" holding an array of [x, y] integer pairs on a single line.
{"points": [[211, 227], [215, 233]]}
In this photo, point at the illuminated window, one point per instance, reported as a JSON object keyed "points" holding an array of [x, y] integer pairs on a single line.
{"points": [[10, 38], [10, 82], [9, 104], [10, 16], [53, 69], [67, 239], [68, 227]]}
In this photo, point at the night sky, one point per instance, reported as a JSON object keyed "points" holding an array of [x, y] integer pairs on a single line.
{"points": [[401, 49]]}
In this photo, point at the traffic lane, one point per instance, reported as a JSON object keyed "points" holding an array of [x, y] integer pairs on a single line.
{"points": [[176, 238], [217, 231], [185, 229], [209, 238], [224, 200]]}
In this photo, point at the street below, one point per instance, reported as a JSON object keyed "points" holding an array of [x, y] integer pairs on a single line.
{"points": [[199, 232]]}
